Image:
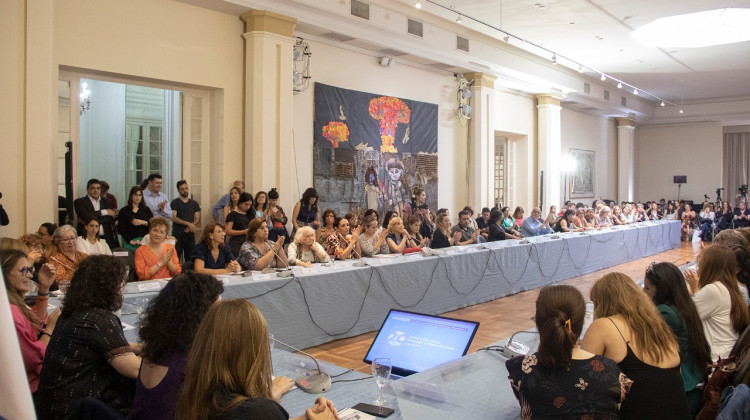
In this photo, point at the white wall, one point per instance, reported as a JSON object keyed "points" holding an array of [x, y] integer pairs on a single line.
{"points": [[664, 151], [589, 132], [351, 70]]}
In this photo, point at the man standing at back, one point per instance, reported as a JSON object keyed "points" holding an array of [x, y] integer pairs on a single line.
{"points": [[186, 215], [156, 200], [94, 207]]}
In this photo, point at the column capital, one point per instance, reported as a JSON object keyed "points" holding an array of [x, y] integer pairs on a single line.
{"points": [[484, 80], [548, 99], [265, 21], [626, 122]]}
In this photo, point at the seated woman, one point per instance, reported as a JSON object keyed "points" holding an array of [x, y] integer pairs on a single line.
{"points": [[370, 241], [628, 329], [707, 219], [132, 221], [211, 256], [157, 259], [551, 218], [665, 285], [591, 220], [512, 230], [565, 223], [183, 301], [494, 224], [717, 297], [33, 326], [580, 220], [104, 366], [412, 229], [341, 245], [616, 219], [258, 252], [398, 239], [688, 223], [442, 237], [627, 216], [518, 216], [640, 214], [305, 250], [353, 219], [603, 218], [670, 213], [387, 218], [229, 373], [90, 243], [725, 217], [328, 227], [560, 380], [234, 204], [65, 258], [738, 243], [46, 230]]}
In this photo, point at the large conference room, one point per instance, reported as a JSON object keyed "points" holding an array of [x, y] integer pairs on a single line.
{"points": [[484, 104]]}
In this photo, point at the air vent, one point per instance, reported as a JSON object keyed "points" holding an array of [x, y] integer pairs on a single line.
{"points": [[415, 27], [462, 43], [391, 52], [360, 9], [606, 95], [623, 101], [586, 88], [337, 36]]}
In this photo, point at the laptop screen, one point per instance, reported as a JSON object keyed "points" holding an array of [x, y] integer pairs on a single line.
{"points": [[415, 342]]}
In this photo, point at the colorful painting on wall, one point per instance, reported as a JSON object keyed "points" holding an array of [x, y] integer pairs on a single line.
{"points": [[372, 151]]}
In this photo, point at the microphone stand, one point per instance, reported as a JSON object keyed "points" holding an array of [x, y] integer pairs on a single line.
{"points": [[313, 381], [359, 263]]}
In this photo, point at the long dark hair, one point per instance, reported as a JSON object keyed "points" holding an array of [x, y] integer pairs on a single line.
{"points": [[387, 218], [560, 312], [307, 195], [671, 291], [134, 189], [183, 302], [95, 285]]}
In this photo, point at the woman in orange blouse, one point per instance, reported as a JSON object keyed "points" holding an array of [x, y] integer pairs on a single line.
{"points": [[65, 258], [157, 259]]}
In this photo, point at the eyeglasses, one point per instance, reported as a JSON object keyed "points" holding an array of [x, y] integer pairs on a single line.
{"points": [[68, 239], [26, 270]]}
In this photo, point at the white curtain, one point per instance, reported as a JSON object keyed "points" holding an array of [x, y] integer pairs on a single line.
{"points": [[736, 163]]}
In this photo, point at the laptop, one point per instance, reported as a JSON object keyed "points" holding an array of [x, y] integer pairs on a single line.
{"points": [[415, 342]]}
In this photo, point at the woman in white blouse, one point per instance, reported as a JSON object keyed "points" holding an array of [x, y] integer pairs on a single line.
{"points": [[370, 241], [90, 243], [305, 250], [718, 300]]}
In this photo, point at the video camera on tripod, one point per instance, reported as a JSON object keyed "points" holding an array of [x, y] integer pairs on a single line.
{"points": [[743, 190]]}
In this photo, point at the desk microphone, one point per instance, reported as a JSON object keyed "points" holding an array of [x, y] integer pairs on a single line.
{"points": [[285, 272], [313, 381], [359, 263]]}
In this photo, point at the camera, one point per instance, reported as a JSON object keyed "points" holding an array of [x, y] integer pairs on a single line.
{"points": [[743, 189]]}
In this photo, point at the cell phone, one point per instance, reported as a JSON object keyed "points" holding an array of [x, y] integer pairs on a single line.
{"points": [[373, 410]]}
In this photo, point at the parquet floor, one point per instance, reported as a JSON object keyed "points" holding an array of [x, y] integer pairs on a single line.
{"points": [[501, 317]]}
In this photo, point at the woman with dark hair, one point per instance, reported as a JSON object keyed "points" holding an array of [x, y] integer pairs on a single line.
{"points": [[237, 222], [717, 298], [211, 256], [276, 218], [724, 217], [157, 259], [628, 329], [665, 285], [328, 227], [45, 231], [132, 221], [565, 223], [342, 245], [670, 213], [258, 252], [512, 230], [90, 243], [261, 203], [305, 212], [234, 202], [387, 218], [33, 327], [88, 355], [183, 302], [688, 223], [229, 373], [412, 228], [496, 231], [560, 380]]}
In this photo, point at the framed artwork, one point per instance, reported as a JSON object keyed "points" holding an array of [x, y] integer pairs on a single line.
{"points": [[582, 177]]}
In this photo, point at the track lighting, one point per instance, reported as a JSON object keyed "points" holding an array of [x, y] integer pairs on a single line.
{"points": [[554, 59], [580, 69], [681, 111], [635, 92], [619, 85], [662, 103], [603, 78], [459, 20], [418, 4]]}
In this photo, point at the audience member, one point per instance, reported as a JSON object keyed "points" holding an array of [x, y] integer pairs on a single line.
{"points": [[706, 220], [89, 243], [341, 245], [670, 213], [88, 355], [603, 218], [183, 301], [93, 207], [353, 220], [742, 215], [328, 227], [225, 201], [305, 212], [261, 204], [156, 200], [211, 255], [551, 218], [534, 226], [157, 259], [371, 242], [725, 218], [717, 297], [186, 216], [688, 223], [398, 238], [640, 214], [653, 212], [45, 231], [512, 230], [33, 327], [665, 285], [412, 229], [109, 198], [628, 215], [276, 218], [65, 258], [232, 204], [628, 329], [468, 234], [238, 221], [738, 243], [472, 223], [305, 250], [418, 202], [565, 223], [518, 216], [229, 372], [560, 380], [443, 238], [495, 231], [258, 252], [387, 218], [133, 219], [482, 221], [590, 218]]}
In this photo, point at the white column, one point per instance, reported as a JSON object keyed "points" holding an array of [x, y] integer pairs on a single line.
{"points": [[269, 40], [625, 159], [481, 141], [549, 141]]}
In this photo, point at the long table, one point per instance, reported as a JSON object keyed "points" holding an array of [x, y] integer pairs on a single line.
{"points": [[339, 300]]}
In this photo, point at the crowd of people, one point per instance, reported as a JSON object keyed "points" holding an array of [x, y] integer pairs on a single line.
{"points": [[644, 344]]}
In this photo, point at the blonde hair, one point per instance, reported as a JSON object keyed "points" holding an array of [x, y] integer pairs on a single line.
{"points": [[617, 294], [12, 243], [392, 223], [229, 362]]}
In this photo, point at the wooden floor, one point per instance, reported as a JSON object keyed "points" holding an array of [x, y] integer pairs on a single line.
{"points": [[501, 317]]}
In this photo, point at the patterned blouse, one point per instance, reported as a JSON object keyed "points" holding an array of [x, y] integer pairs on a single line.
{"points": [[249, 255], [334, 245], [64, 266], [589, 389]]}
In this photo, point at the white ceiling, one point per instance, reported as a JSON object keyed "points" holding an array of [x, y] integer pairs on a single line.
{"points": [[596, 33]]}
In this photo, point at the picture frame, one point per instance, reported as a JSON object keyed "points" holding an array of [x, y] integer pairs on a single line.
{"points": [[582, 178]]}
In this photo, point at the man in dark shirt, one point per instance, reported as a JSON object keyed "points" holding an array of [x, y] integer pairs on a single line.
{"points": [[482, 222], [186, 215], [94, 207], [742, 215]]}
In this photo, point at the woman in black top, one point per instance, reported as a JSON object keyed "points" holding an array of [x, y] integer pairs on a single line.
{"points": [[565, 223], [238, 221], [496, 231], [132, 221], [442, 237]]}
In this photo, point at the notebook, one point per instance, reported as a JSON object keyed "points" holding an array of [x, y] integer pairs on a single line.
{"points": [[415, 342]]}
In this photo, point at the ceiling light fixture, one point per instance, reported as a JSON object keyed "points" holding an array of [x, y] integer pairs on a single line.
{"points": [[459, 20], [418, 4], [662, 103], [580, 69], [603, 78], [619, 85], [635, 92], [681, 111], [554, 59], [506, 38]]}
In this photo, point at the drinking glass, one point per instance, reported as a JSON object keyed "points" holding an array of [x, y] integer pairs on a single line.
{"points": [[381, 371]]}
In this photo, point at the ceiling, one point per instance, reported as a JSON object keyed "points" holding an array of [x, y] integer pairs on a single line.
{"points": [[596, 33]]}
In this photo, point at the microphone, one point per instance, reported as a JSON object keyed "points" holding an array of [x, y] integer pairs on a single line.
{"points": [[287, 271], [359, 263], [313, 381]]}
